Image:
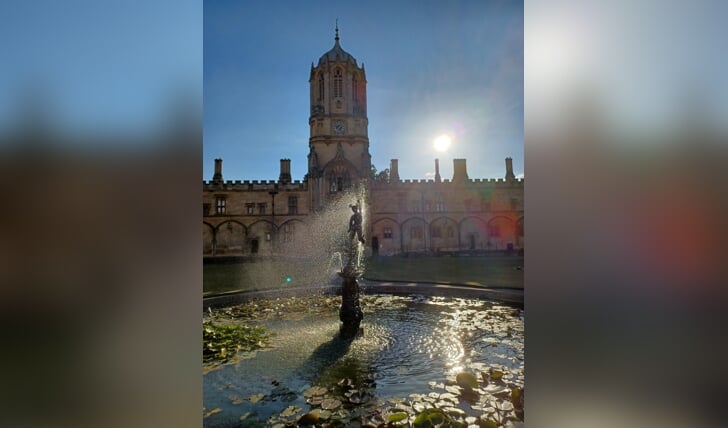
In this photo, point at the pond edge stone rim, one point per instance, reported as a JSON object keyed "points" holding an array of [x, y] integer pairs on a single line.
{"points": [[514, 297]]}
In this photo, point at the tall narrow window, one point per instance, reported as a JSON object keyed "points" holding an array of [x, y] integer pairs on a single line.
{"points": [[337, 83], [439, 203], [249, 208], [293, 205], [354, 89], [288, 232], [261, 209], [220, 205], [321, 87]]}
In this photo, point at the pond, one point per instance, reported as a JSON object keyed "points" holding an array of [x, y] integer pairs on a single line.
{"points": [[420, 359]]}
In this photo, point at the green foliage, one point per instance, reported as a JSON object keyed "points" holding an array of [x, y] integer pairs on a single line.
{"points": [[435, 418], [222, 342], [397, 417]]}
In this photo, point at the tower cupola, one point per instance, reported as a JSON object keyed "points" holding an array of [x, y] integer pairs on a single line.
{"points": [[337, 53]]}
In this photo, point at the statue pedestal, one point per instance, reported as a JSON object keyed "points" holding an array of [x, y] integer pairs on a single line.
{"points": [[350, 313]]}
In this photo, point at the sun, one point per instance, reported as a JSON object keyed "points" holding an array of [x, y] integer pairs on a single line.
{"points": [[442, 143]]}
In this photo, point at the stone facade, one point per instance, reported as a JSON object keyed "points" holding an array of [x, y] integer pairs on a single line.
{"points": [[266, 217]]}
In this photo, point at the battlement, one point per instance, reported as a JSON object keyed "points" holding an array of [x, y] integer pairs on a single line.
{"points": [[418, 181], [490, 182], [255, 185]]}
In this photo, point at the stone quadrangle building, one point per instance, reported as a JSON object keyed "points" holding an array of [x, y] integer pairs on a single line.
{"points": [[403, 216]]}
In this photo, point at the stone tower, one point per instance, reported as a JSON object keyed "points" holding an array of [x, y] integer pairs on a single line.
{"points": [[339, 144]]}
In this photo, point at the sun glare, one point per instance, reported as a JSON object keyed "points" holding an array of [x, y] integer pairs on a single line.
{"points": [[442, 143]]}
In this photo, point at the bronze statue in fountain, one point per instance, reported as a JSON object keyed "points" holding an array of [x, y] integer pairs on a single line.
{"points": [[350, 313]]}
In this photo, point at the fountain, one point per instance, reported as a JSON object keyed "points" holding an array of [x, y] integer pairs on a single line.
{"points": [[350, 313], [424, 360]]}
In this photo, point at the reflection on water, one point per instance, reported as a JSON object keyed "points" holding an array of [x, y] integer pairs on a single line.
{"points": [[407, 344]]}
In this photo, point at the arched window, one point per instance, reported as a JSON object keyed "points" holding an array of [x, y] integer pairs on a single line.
{"points": [[337, 83], [339, 179], [332, 183]]}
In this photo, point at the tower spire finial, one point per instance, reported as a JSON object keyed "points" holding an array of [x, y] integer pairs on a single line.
{"points": [[337, 30]]}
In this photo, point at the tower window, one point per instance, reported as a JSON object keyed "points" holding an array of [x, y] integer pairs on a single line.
{"points": [[337, 84], [354, 89], [439, 203], [321, 87], [220, 205], [293, 205]]}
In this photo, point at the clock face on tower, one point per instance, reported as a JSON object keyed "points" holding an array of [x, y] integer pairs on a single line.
{"points": [[339, 127]]}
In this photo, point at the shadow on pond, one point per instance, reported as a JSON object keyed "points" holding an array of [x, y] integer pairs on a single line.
{"points": [[326, 355]]}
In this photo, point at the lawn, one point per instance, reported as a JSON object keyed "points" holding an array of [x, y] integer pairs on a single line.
{"points": [[261, 275], [487, 271]]}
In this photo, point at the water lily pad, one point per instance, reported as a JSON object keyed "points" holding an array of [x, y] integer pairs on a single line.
{"points": [[453, 389], [214, 411], [397, 417], [322, 414], [454, 411], [517, 397], [448, 396], [255, 398], [467, 380], [430, 418], [419, 406], [246, 415], [314, 391], [331, 404], [494, 389], [490, 423], [315, 401], [290, 411]]}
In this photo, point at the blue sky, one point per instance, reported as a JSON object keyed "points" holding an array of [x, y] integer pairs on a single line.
{"points": [[100, 66], [432, 67]]}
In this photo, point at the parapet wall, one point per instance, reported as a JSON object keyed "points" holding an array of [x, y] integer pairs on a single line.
{"points": [[252, 185]]}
